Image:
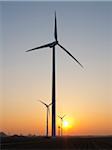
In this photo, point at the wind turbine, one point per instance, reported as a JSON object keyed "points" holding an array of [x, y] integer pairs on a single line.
{"points": [[61, 123], [52, 45], [47, 106]]}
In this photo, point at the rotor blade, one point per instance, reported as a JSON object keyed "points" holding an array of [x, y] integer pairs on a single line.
{"points": [[55, 28], [43, 46], [70, 55], [48, 111], [43, 103], [50, 104], [59, 117], [63, 116]]}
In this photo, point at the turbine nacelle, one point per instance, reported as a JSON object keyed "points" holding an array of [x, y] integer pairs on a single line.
{"points": [[53, 44]]}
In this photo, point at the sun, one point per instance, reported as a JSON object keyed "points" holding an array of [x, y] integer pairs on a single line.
{"points": [[65, 124]]}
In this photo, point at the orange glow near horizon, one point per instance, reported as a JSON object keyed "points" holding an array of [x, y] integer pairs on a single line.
{"points": [[32, 120], [70, 126]]}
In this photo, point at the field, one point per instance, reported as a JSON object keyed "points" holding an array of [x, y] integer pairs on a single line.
{"points": [[76, 143]]}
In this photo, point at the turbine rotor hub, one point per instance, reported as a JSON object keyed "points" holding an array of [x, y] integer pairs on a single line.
{"points": [[53, 44]]}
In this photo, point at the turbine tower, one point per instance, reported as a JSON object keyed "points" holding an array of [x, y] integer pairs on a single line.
{"points": [[58, 130], [52, 45], [47, 106], [61, 123]]}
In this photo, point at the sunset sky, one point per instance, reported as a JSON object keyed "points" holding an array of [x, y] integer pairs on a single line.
{"points": [[84, 95]]}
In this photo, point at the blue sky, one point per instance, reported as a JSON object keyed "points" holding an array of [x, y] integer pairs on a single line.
{"points": [[84, 28]]}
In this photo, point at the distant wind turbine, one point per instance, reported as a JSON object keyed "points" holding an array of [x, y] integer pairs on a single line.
{"points": [[48, 111], [52, 45], [61, 123]]}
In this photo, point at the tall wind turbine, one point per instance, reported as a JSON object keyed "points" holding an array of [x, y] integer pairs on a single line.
{"points": [[61, 123], [47, 106], [52, 45]]}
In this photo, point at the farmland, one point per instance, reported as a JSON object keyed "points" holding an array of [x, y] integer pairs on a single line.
{"points": [[71, 142]]}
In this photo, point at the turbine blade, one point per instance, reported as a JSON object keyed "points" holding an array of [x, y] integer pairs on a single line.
{"points": [[43, 103], [48, 111], [43, 46], [63, 116], [59, 116], [50, 104], [71, 55], [55, 28]]}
